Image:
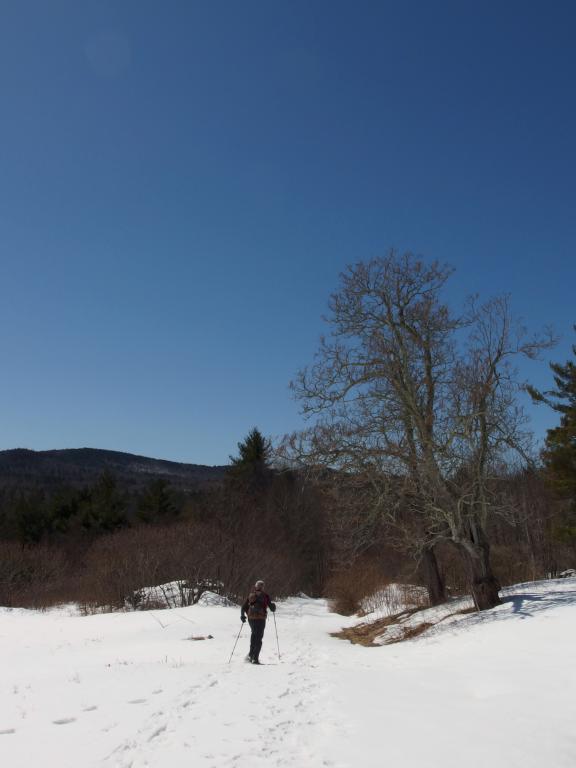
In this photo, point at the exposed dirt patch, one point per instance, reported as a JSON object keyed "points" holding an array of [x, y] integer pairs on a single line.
{"points": [[367, 632]]}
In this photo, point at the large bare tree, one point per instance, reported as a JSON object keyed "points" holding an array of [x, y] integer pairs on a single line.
{"points": [[417, 408]]}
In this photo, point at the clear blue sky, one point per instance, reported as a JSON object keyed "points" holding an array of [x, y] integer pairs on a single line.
{"points": [[181, 184]]}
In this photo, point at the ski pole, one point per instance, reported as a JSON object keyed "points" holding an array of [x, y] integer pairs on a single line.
{"points": [[276, 629], [236, 643]]}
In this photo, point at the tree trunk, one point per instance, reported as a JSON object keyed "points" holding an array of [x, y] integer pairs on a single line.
{"points": [[483, 583], [432, 577]]}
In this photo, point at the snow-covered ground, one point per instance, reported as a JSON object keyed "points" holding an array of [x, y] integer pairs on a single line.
{"points": [[129, 690]]}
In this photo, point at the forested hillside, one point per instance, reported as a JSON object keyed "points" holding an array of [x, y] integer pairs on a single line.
{"points": [[23, 469]]}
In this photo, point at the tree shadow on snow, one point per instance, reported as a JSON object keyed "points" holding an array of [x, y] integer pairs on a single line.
{"points": [[529, 604], [522, 601], [518, 605]]}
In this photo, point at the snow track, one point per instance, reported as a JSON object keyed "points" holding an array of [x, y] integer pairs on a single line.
{"points": [[270, 722]]}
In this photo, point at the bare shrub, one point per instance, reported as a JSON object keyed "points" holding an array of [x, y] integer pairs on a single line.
{"points": [[250, 559], [348, 587], [395, 598], [173, 566], [119, 564], [514, 564], [253, 545], [30, 576], [119, 567], [157, 566], [192, 554], [369, 585]]}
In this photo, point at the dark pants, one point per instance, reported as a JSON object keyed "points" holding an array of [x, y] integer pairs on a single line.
{"points": [[257, 626]]}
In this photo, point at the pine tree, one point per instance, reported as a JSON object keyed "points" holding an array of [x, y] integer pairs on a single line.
{"points": [[559, 454], [156, 503], [32, 521], [253, 461], [105, 507]]}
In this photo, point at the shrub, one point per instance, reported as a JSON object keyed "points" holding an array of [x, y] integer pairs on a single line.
{"points": [[348, 587], [30, 576]]}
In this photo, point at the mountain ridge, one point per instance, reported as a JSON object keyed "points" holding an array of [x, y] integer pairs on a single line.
{"points": [[77, 466]]}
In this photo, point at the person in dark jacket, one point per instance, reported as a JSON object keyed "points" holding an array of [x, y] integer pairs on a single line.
{"points": [[256, 606]]}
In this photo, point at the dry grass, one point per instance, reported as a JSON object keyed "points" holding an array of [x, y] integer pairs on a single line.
{"points": [[367, 632]]}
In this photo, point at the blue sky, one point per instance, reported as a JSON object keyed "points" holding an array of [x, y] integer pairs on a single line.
{"points": [[181, 184]]}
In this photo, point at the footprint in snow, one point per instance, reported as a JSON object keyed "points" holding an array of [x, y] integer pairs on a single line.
{"points": [[6, 731], [64, 720], [90, 709], [137, 701], [157, 732]]}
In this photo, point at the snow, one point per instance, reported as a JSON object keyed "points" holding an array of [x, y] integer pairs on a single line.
{"points": [[129, 690], [175, 594]]}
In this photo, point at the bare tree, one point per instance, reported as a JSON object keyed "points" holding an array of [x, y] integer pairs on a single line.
{"points": [[417, 408]]}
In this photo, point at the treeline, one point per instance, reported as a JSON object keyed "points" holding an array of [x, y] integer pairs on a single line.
{"points": [[101, 544], [48, 515], [304, 531]]}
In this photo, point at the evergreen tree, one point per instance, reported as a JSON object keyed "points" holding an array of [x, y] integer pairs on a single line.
{"points": [[559, 453], [253, 461], [157, 504], [31, 517], [64, 508], [105, 508]]}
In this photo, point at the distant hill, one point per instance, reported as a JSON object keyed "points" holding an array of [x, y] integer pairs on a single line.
{"points": [[80, 466]]}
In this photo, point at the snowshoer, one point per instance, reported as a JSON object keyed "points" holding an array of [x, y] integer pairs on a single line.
{"points": [[256, 606]]}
